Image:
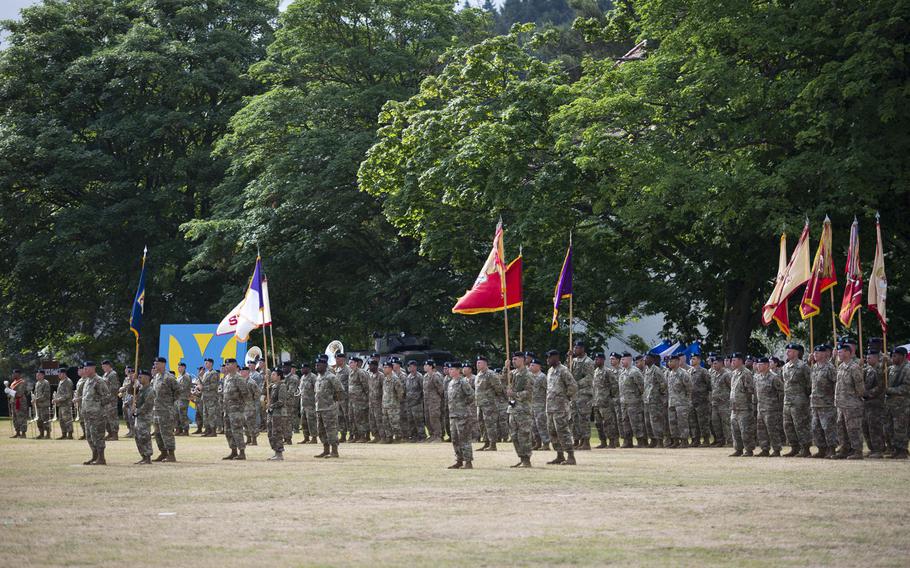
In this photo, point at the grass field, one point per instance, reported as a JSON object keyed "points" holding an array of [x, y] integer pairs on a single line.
{"points": [[399, 505]]}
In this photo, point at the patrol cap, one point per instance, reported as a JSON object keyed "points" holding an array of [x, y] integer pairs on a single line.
{"points": [[430, 362], [762, 359], [822, 347], [144, 372], [106, 362], [616, 355], [599, 356], [481, 358], [900, 350], [412, 362], [84, 364], [160, 360], [552, 352], [230, 360], [737, 355]]}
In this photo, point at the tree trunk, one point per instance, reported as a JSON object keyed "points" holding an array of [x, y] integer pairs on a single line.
{"points": [[738, 315]]}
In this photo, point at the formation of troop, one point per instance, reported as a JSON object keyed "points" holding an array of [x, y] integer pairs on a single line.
{"points": [[834, 402]]}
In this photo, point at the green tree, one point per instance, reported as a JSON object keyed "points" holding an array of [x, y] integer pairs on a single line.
{"points": [[339, 269], [111, 110]]}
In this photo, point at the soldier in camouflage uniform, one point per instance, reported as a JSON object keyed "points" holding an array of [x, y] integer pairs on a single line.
{"points": [[212, 399], [874, 405], [164, 412], [110, 407], [487, 388], [359, 401], [292, 380], [821, 402], [277, 414], [184, 385], [561, 388], [460, 400], [329, 390], [679, 396], [539, 405], [343, 373], [742, 413], [392, 395], [849, 390], [308, 404], [655, 390], [63, 400], [252, 407], [583, 373], [769, 391], [433, 396], [42, 400], [720, 401], [77, 399], [17, 393], [376, 379], [897, 402], [236, 395], [631, 389], [797, 390], [413, 388], [700, 413], [125, 394], [93, 396], [606, 395], [520, 417], [197, 398], [142, 417]]}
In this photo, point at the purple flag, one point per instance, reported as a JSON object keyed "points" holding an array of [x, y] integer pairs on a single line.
{"points": [[563, 286]]}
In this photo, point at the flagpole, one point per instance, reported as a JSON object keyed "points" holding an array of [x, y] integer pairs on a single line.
{"points": [[145, 250], [833, 319], [811, 336], [505, 320], [859, 321], [571, 297], [885, 354]]}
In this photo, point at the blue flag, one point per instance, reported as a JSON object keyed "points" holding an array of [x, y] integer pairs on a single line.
{"points": [[139, 301]]}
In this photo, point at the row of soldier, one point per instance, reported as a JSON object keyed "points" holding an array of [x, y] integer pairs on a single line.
{"points": [[678, 405]]}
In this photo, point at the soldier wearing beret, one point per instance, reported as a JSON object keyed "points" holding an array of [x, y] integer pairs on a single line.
{"points": [[539, 405], [413, 389], [769, 392], [583, 373], [460, 401], [94, 395], [487, 387], [164, 413], [631, 392], [433, 398], [236, 395], [874, 405], [212, 399], [185, 386], [742, 415], [277, 414], [329, 391], [17, 391], [359, 401], [520, 417], [142, 418], [606, 395], [700, 413], [292, 380], [821, 402], [376, 378], [308, 405], [561, 388], [797, 413], [110, 407], [849, 390], [42, 400], [63, 400], [897, 402]]}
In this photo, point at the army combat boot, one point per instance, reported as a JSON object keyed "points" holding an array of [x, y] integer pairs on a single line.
{"points": [[558, 460], [457, 465], [585, 444], [775, 453], [241, 455], [100, 460], [570, 459], [161, 456], [277, 456], [334, 452], [821, 453], [804, 452], [614, 442], [525, 462], [492, 447], [170, 456], [232, 455], [467, 465], [764, 453], [325, 451], [94, 457], [794, 451], [146, 460]]}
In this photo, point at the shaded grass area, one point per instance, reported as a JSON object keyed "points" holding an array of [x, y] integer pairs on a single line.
{"points": [[398, 504]]}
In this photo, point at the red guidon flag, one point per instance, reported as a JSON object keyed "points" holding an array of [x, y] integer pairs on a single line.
{"points": [[823, 275], [878, 284], [793, 275], [494, 282], [853, 291]]}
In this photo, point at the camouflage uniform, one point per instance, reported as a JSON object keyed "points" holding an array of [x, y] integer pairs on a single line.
{"points": [[212, 399], [293, 413], [185, 385], [433, 396], [539, 407], [769, 390], [125, 393], [142, 423], [19, 406], [742, 414], [236, 399], [897, 404], [376, 426], [488, 388], [583, 373], [77, 401], [679, 397], [63, 398], [252, 409], [308, 405], [848, 398], [460, 399], [700, 413], [343, 374], [94, 394], [874, 410], [520, 418], [328, 391], [631, 389], [446, 423], [824, 415], [392, 395], [655, 390], [359, 403], [797, 416], [110, 407], [561, 388], [720, 406], [42, 399], [277, 415], [606, 395], [413, 388], [164, 411]]}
